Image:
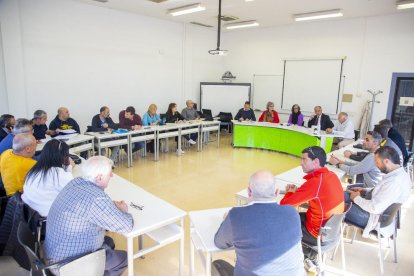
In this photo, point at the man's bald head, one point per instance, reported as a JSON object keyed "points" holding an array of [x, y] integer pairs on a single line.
{"points": [[63, 113], [262, 186]]}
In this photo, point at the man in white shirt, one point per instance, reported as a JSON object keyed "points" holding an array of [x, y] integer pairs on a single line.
{"points": [[345, 128], [369, 204]]}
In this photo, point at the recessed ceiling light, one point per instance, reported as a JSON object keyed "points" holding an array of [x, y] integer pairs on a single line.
{"points": [[402, 5], [318, 15], [244, 24], [186, 9]]}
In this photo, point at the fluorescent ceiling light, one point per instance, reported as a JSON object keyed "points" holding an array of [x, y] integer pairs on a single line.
{"points": [[244, 24], [402, 5], [186, 9], [317, 15]]}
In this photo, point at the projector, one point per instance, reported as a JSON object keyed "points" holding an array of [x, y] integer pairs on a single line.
{"points": [[218, 52]]}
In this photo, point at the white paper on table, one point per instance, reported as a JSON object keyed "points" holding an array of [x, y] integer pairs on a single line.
{"points": [[68, 131], [44, 141], [66, 137]]}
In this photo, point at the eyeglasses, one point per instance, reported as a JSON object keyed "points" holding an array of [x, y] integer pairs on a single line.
{"points": [[136, 206]]}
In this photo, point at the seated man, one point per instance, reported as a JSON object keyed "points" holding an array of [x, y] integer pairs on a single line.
{"points": [[345, 128], [129, 120], [80, 215], [16, 163], [383, 131], [320, 119], [39, 125], [266, 236], [366, 167], [22, 126], [189, 113], [245, 113], [396, 137], [322, 190], [7, 123], [62, 121], [103, 122], [395, 187]]}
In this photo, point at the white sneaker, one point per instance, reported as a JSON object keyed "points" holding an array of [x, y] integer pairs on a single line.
{"points": [[310, 265], [179, 152], [192, 142]]}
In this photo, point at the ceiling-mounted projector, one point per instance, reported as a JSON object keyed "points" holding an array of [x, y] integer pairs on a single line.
{"points": [[218, 52]]}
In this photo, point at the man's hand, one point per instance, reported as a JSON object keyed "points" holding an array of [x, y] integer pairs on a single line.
{"points": [[357, 189], [334, 161], [291, 188], [312, 116], [58, 130], [328, 130], [348, 153], [241, 119], [121, 205], [354, 194], [105, 125], [136, 127]]}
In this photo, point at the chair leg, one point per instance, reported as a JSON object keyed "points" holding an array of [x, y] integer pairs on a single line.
{"points": [[342, 249], [355, 232], [395, 247], [380, 252]]}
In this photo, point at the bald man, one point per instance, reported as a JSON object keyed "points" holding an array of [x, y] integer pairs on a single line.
{"points": [[63, 121], [265, 235], [15, 163]]}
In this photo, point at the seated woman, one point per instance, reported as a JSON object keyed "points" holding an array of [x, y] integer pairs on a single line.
{"points": [[296, 118], [269, 115], [173, 116], [48, 176], [151, 118]]}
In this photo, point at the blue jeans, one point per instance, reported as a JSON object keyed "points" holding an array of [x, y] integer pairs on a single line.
{"points": [[356, 215]]}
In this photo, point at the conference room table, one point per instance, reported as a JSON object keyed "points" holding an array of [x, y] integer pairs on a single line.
{"points": [[77, 143], [285, 138], [209, 126], [155, 218], [106, 139]]}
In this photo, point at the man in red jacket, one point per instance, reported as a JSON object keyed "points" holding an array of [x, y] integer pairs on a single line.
{"points": [[322, 190]]}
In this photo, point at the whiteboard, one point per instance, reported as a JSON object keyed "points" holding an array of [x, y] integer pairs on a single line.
{"points": [[267, 88], [312, 82], [224, 97]]}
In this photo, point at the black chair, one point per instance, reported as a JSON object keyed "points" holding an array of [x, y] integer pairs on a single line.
{"points": [[36, 222], [85, 264], [225, 120], [331, 235], [389, 216]]}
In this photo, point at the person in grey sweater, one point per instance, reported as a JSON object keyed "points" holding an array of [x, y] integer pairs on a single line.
{"points": [[265, 235], [189, 113], [366, 167]]}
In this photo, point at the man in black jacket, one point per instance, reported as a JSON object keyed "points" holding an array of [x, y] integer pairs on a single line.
{"points": [[396, 137], [102, 122], [320, 119]]}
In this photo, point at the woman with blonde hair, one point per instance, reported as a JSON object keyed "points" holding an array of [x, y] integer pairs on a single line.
{"points": [[151, 118], [269, 115]]}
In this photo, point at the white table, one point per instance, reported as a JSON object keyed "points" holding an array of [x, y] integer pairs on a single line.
{"points": [[208, 126], [106, 140], [204, 225], [146, 133], [77, 144], [158, 219]]}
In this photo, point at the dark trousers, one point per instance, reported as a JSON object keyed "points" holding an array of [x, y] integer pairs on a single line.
{"points": [[356, 215], [307, 238], [116, 260]]}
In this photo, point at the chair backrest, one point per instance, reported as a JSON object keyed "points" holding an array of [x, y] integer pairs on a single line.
{"points": [[28, 241], [388, 216], [331, 231], [225, 116], [91, 265]]}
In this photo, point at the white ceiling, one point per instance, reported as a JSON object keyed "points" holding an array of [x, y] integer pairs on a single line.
{"points": [[266, 12]]}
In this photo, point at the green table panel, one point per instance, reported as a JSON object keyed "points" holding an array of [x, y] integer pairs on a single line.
{"points": [[277, 139]]}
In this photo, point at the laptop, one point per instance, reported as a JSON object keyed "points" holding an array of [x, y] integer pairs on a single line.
{"points": [[207, 115]]}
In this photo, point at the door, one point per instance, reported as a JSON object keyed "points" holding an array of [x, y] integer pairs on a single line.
{"points": [[402, 115]]}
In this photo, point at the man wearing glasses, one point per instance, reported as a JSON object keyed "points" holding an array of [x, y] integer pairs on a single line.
{"points": [[322, 191], [366, 167]]}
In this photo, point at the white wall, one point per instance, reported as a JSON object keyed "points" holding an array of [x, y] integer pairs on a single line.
{"points": [[375, 47], [82, 57]]}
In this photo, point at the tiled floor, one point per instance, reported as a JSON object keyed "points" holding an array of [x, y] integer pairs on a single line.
{"points": [[209, 179]]}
